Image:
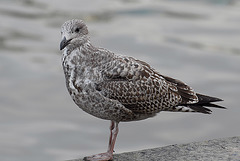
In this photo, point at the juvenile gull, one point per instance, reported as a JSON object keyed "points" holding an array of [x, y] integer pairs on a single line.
{"points": [[120, 88]]}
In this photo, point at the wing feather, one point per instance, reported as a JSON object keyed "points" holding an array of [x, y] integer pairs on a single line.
{"points": [[140, 88], [185, 91]]}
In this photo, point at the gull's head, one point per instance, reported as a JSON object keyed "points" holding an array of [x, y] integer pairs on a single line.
{"points": [[73, 32]]}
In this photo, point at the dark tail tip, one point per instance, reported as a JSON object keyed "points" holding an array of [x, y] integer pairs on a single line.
{"points": [[204, 102]]}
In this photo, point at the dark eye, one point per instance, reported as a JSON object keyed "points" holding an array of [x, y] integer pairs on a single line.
{"points": [[77, 30]]}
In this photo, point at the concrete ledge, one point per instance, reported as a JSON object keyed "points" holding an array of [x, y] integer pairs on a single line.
{"points": [[217, 149]]}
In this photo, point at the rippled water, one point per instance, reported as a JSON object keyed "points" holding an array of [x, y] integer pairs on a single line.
{"points": [[196, 41]]}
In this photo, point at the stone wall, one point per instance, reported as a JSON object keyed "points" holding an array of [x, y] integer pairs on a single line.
{"points": [[226, 149]]}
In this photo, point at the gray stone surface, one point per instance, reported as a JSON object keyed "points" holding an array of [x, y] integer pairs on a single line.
{"points": [[226, 149]]}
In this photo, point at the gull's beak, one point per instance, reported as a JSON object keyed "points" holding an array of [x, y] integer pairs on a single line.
{"points": [[64, 43]]}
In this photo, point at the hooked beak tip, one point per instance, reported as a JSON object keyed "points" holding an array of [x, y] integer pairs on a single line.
{"points": [[64, 43]]}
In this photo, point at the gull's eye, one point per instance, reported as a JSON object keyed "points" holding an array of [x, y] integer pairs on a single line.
{"points": [[77, 30]]}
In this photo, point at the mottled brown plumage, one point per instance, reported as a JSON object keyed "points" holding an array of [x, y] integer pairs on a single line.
{"points": [[120, 88]]}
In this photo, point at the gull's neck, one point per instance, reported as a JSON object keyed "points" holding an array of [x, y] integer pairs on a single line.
{"points": [[79, 54]]}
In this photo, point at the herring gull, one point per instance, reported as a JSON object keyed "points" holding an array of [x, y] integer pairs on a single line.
{"points": [[120, 88]]}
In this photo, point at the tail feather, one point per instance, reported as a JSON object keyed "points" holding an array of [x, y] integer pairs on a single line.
{"points": [[200, 108], [203, 103], [213, 105]]}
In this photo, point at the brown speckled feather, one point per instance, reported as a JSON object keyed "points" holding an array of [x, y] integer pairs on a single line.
{"points": [[143, 90]]}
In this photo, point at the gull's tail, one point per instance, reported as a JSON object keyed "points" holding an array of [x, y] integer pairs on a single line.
{"points": [[203, 103]]}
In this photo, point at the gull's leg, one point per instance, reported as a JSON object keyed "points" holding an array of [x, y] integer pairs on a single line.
{"points": [[112, 139], [112, 126], [114, 133]]}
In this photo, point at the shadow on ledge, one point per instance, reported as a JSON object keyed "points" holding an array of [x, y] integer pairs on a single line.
{"points": [[217, 149]]}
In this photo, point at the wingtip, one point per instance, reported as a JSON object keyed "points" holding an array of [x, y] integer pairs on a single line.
{"points": [[218, 99], [207, 99]]}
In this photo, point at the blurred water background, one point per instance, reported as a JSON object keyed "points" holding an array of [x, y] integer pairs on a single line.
{"points": [[196, 41]]}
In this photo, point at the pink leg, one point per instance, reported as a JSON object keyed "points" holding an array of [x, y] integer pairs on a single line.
{"points": [[109, 154], [114, 132]]}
